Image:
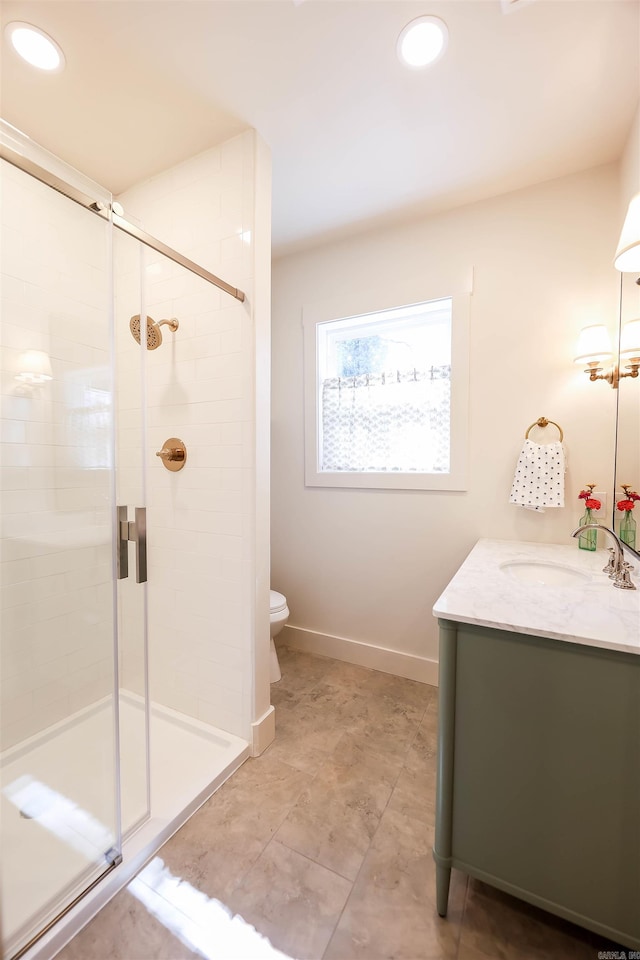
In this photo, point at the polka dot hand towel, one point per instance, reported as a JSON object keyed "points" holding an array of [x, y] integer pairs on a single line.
{"points": [[539, 478]]}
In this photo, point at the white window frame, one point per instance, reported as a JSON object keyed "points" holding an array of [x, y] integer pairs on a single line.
{"points": [[314, 314]]}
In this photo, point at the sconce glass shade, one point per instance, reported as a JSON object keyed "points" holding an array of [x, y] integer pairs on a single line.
{"points": [[627, 258], [594, 345], [35, 367], [630, 340]]}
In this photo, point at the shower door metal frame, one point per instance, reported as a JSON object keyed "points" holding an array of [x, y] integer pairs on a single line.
{"points": [[13, 155], [78, 196], [114, 862]]}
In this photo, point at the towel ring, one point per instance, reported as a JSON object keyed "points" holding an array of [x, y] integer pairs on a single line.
{"points": [[543, 422]]}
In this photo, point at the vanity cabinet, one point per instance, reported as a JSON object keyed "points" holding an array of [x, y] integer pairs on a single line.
{"points": [[538, 789]]}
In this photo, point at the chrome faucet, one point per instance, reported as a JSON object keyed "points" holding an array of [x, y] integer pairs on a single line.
{"points": [[617, 568]]}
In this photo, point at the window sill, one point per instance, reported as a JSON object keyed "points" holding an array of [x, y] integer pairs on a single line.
{"points": [[387, 481]]}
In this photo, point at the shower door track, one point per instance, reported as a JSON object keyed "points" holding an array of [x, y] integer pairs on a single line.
{"points": [[114, 862], [89, 203]]}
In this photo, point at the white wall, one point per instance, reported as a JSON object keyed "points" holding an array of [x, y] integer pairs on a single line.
{"points": [[207, 534], [367, 566]]}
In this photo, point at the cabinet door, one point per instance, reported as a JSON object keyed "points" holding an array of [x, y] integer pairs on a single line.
{"points": [[547, 772]]}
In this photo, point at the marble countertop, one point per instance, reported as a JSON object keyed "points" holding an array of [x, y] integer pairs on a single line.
{"points": [[592, 611]]}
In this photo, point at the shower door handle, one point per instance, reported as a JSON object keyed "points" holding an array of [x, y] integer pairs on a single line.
{"points": [[122, 537], [136, 532], [140, 538]]}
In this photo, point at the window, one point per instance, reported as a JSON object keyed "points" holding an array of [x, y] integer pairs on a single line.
{"points": [[386, 397]]}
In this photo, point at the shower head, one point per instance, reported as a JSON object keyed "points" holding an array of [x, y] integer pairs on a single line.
{"points": [[154, 336]]}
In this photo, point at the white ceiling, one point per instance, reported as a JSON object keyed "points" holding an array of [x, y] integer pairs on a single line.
{"points": [[547, 88]]}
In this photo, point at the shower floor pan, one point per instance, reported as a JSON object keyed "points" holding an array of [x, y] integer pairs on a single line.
{"points": [[189, 760]]}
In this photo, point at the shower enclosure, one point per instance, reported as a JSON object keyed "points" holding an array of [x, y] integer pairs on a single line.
{"points": [[126, 652]]}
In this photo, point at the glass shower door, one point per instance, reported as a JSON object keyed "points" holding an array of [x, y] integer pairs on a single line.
{"points": [[131, 457], [59, 773]]}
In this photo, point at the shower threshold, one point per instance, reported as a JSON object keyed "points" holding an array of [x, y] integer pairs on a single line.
{"points": [[189, 761]]}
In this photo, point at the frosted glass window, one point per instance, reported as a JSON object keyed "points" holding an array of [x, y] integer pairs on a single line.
{"points": [[381, 392], [385, 390]]}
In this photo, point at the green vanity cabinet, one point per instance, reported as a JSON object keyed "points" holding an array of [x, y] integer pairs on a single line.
{"points": [[538, 787]]}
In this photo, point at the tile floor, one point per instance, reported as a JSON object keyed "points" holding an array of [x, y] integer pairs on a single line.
{"points": [[324, 842]]}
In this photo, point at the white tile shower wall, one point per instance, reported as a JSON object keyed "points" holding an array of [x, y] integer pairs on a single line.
{"points": [[56, 651], [200, 388]]}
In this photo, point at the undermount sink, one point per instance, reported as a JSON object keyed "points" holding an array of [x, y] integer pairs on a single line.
{"points": [[544, 573]]}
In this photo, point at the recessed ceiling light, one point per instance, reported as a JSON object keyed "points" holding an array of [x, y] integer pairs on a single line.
{"points": [[422, 41], [35, 46]]}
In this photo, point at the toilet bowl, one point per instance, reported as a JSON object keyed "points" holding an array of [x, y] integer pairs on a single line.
{"points": [[278, 616]]}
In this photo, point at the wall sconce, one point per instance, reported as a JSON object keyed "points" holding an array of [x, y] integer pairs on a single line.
{"points": [[34, 367], [594, 349], [630, 345], [627, 258], [594, 345]]}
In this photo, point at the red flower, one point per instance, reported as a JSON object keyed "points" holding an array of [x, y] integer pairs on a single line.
{"points": [[626, 504], [592, 504], [633, 495], [584, 494]]}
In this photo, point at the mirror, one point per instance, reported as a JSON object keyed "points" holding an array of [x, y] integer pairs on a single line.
{"points": [[627, 463]]}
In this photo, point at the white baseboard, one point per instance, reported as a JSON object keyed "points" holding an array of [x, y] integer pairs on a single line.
{"points": [[263, 732], [362, 654]]}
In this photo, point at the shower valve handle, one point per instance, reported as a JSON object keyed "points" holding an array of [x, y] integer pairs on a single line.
{"points": [[173, 454]]}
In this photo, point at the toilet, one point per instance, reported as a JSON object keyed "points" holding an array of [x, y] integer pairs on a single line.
{"points": [[278, 616]]}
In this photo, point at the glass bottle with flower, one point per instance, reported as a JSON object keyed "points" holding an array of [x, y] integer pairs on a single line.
{"points": [[627, 529], [588, 539]]}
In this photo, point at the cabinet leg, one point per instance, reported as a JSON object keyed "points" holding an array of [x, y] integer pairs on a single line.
{"points": [[443, 879]]}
